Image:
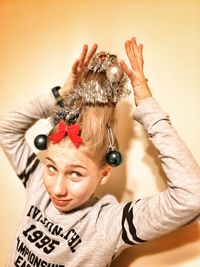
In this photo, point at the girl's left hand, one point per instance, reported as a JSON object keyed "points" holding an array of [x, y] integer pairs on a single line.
{"points": [[77, 69], [135, 73]]}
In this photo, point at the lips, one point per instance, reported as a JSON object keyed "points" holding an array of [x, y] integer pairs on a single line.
{"points": [[60, 202]]}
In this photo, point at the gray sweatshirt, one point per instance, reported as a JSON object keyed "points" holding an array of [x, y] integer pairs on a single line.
{"points": [[95, 234]]}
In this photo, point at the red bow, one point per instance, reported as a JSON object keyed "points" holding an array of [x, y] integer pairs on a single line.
{"points": [[72, 131]]}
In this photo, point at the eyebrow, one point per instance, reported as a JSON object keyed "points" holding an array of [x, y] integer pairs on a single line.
{"points": [[51, 160], [71, 165]]}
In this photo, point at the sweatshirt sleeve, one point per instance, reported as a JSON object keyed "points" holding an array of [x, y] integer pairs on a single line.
{"points": [[13, 127], [154, 216]]}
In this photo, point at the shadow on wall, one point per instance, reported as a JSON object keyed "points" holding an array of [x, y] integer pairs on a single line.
{"points": [[117, 185]]}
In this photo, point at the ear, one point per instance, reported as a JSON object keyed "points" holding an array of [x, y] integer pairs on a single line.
{"points": [[105, 175]]}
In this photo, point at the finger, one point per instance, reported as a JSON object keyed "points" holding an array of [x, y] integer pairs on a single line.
{"points": [[138, 52], [83, 55], [140, 48], [91, 53], [75, 66], [140, 59], [131, 56], [127, 70], [135, 47]]}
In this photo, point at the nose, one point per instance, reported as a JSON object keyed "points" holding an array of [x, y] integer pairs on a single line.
{"points": [[60, 187]]}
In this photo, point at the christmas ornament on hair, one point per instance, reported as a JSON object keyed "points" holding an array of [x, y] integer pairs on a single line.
{"points": [[113, 157], [71, 130], [40, 142], [114, 73]]}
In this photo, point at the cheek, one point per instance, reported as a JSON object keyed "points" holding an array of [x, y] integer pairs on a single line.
{"points": [[83, 189], [47, 181]]}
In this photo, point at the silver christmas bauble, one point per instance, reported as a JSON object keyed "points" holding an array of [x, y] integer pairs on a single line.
{"points": [[114, 73]]}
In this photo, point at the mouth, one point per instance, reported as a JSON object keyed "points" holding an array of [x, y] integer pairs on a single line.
{"points": [[60, 202]]}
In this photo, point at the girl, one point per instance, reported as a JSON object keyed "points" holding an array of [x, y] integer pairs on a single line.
{"points": [[63, 223]]}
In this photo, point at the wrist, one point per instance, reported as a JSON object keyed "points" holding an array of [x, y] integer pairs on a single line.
{"points": [[139, 100], [63, 92], [141, 93], [57, 95]]}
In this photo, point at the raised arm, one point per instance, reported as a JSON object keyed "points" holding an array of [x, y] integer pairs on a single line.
{"points": [[14, 125], [180, 203]]}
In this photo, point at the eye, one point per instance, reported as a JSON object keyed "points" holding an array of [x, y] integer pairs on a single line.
{"points": [[51, 169], [75, 174]]}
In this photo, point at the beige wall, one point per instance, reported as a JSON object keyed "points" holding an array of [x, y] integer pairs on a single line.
{"points": [[39, 41]]}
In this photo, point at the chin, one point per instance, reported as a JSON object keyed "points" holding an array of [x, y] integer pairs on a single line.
{"points": [[63, 209], [66, 209]]}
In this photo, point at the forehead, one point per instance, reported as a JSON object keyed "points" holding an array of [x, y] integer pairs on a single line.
{"points": [[66, 153]]}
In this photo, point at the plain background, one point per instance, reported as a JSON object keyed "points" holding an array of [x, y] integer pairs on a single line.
{"points": [[39, 42]]}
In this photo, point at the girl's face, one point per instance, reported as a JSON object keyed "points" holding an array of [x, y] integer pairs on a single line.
{"points": [[70, 176]]}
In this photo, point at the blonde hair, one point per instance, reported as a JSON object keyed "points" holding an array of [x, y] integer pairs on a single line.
{"points": [[94, 121]]}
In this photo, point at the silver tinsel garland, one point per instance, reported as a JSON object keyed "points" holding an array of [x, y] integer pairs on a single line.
{"points": [[92, 92]]}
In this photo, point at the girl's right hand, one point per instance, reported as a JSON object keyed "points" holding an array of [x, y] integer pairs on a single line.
{"points": [[77, 69]]}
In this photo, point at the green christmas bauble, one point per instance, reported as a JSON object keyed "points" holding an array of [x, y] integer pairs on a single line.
{"points": [[40, 142], [114, 158]]}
